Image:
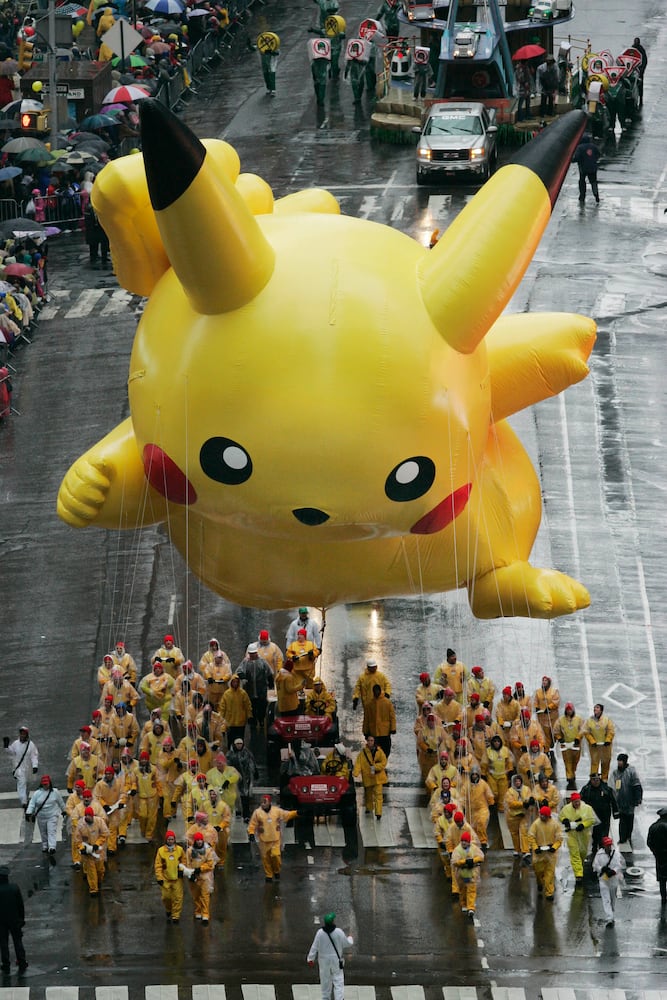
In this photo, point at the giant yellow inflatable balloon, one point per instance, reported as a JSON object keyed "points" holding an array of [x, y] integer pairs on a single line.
{"points": [[319, 403]]}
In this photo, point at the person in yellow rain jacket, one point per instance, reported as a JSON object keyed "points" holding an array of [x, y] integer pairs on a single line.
{"points": [[497, 765], [523, 731], [168, 867], [599, 731], [569, 731], [200, 861], [578, 818], [303, 653], [91, 834], [441, 824], [217, 673], [380, 722], [85, 767], [266, 824], [517, 803], [157, 688], [427, 690], [452, 673], [125, 661], [152, 741], [84, 737], [270, 651], [104, 671], [431, 741], [465, 861], [119, 689], [236, 709], [129, 773], [148, 796], [220, 817], [226, 779], [547, 702], [288, 689], [168, 770], [507, 713], [370, 765], [545, 793], [443, 769], [319, 701], [363, 689], [483, 686], [534, 762], [110, 793], [184, 787], [171, 656], [124, 729], [477, 795], [445, 796], [202, 825], [74, 800], [544, 841]]}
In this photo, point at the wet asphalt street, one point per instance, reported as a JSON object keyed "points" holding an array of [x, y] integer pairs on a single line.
{"points": [[600, 450]]}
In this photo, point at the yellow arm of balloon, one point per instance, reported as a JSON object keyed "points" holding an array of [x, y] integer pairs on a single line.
{"points": [[105, 54], [120, 198], [535, 356], [309, 200], [107, 486]]}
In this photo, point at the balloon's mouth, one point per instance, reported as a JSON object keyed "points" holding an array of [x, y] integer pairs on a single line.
{"points": [[165, 476]]}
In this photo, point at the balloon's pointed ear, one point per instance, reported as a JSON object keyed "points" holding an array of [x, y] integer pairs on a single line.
{"points": [[212, 240], [470, 275]]}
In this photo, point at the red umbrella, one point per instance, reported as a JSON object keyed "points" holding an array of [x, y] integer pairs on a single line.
{"points": [[125, 95], [19, 270], [528, 52]]}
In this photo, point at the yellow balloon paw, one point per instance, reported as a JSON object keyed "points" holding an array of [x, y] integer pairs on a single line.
{"points": [[83, 493], [528, 591]]}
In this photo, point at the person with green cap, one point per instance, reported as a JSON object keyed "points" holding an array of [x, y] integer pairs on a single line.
{"points": [[312, 630], [328, 947]]}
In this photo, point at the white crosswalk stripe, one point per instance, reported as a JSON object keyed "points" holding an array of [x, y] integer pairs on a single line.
{"points": [[312, 991], [102, 302]]}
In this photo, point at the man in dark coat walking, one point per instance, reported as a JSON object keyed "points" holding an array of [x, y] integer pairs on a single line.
{"points": [[657, 845], [12, 919], [587, 158]]}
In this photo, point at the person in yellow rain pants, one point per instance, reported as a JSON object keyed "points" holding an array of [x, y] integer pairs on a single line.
{"points": [[200, 860], [545, 838], [466, 860], [129, 772], [266, 823], [517, 802], [91, 834], [370, 766], [497, 764], [578, 818], [220, 817], [168, 867], [110, 793], [148, 794], [569, 733], [599, 731]]}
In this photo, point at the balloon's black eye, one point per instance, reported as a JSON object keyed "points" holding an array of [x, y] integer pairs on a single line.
{"points": [[225, 461], [410, 479]]}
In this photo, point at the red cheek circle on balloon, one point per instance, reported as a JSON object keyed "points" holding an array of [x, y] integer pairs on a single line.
{"points": [[165, 476], [442, 515]]}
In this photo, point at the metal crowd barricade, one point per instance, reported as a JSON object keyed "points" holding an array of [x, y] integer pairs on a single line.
{"points": [[9, 209]]}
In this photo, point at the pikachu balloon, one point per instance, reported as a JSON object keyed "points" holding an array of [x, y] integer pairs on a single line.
{"points": [[318, 403]]}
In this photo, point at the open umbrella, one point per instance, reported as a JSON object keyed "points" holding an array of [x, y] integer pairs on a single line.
{"points": [[199, 12], [12, 227], [63, 167], [35, 155], [79, 157], [6, 173], [108, 109], [125, 95], [158, 47], [166, 6], [8, 67], [93, 122], [22, 143], [8, 125], [135, 61], [528, 52], [18, 270]]}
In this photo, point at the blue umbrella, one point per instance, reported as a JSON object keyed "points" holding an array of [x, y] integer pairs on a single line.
{"points": [[6, 173], [165, 6], [93, 122]]}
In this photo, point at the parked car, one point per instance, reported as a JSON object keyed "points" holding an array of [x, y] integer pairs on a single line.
{"points": [[456, 139]]}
